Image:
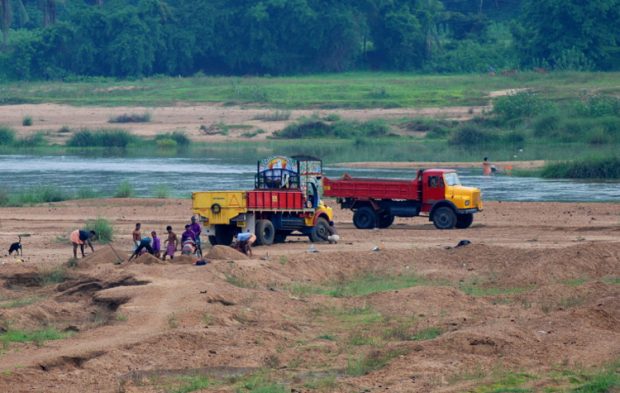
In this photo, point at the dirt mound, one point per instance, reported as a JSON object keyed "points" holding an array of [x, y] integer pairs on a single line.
{"points": [[184, 260], [106, 254], [225, 252], [148, 259]]}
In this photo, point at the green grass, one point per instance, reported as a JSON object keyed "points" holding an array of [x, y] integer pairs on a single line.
{"points": [[372, 361], [21, 302], [259, 382], [427, 334], [239, 282], [103, 138], [103, 228], [27, 121], [589, 168], [358, 89], [612, 280], [55, 275], [192, 383], [124, 190], [36, 336], [360, 286], [480, 289], [344, 129]]}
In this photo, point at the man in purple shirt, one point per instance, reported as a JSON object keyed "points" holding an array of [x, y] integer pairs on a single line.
{"points": [[195, 227], [188, 234], [156, 244]]}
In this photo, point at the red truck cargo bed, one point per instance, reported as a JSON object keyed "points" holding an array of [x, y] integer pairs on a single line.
{"points": [[275, 200], [363, 188]]}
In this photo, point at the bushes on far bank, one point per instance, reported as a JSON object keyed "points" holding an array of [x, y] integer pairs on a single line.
{"points": [[322, 128], [593, 168], [101, 138]]}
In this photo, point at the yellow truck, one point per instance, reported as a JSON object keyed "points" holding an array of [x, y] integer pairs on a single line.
{"points": [[285, 201]]}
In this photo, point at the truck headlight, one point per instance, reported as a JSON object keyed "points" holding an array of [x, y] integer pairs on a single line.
{"points": [[467, 202]]}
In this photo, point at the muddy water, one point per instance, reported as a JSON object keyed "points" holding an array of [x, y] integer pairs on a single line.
{"points": [[180, 176]]}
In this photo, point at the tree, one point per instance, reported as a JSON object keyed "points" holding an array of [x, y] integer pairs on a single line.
{"points": [[569, 33], [6, 17]]}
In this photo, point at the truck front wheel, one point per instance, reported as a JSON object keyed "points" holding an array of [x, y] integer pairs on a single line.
{"points": [[364, 218], [464, 220], [320, 232], [265, 232], [444, 218]]}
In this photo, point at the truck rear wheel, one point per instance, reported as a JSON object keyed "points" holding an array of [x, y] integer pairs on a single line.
{"points": [[364, 218], [444, 218], [385, 220], [265, 232], [223, 235], [464, 220], [320, 232]]}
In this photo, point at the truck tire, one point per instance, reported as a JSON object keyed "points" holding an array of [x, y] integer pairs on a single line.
{"points": [[444, 218], [385, 220], [281, 236], [265, 233], [364, 218], [464, 220], [223, 235], [320, 232]]}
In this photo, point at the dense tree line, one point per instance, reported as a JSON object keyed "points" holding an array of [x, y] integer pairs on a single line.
{"points": [[131, 38]]}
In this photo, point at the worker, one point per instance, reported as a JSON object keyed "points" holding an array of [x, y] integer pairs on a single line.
{"points": [[156, 244], [136, 236], [188, 234], [172, 243], [80, 237], [195, 227], [244, 243], [145, 243]]}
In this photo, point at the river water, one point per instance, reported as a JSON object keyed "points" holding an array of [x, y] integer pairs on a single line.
{"points": [[181, 176]]}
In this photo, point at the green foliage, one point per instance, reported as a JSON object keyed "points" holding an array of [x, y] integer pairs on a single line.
{"points": [[34, 140], [102, 138], [36, 336], [52, 276], [7, 136], [518, 106], [124, 190], [316, 128], [427, 334], [131, 118], [192, 384], [178, 138], [375, 360], [21, 302], [162, 191], [469, 135], [27, 121], [41, 194], [592, 168], [103, 228]]}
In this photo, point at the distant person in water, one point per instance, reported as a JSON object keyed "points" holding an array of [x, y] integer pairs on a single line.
{"points": [[487, 168], [79, 238], [172, 243]]}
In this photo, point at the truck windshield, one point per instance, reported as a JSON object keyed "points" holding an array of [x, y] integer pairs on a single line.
{"points": [[451, 179]]}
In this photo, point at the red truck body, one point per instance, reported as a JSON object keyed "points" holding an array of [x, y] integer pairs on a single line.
{"points": [[289, 200]]}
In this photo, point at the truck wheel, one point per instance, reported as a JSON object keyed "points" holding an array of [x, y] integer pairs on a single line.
{"points": [[320, 232], [364, 218], [464, 220], [280, 236], [212, 240], [385, 220], [223, 235], [265, 232], [444, 218]]}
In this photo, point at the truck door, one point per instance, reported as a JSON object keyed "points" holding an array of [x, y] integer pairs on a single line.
{"points": [[434, 188]]}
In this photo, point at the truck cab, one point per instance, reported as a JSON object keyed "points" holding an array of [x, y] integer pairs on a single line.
{"points": [[448, 203]]}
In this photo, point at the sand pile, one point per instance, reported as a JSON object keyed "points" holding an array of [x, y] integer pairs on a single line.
{"points": [[184, 260], [225, 252], [106, 254], [148, 259]]}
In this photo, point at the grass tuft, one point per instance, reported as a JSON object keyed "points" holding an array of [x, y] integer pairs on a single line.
{"points": [[104, 138], [375, 360], [37, 336], [103, 227], [124, 190], [27, 121]]}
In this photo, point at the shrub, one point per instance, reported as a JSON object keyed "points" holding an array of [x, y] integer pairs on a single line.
{"points": [[124, 190], [7, 136], [274, 116], [546, 125], [179, 138], [131, 118], [103, 227], [519, 106], [86, 193], [34, 140], [166, 143], [313, 128], [64, 130], [27, 121], [591, 168], [598, 106], [471, 136], [162, 191], [101, 138], [42, 194]]}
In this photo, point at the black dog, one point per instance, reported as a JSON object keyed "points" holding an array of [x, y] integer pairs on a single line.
{"points": [[16, 247]]}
